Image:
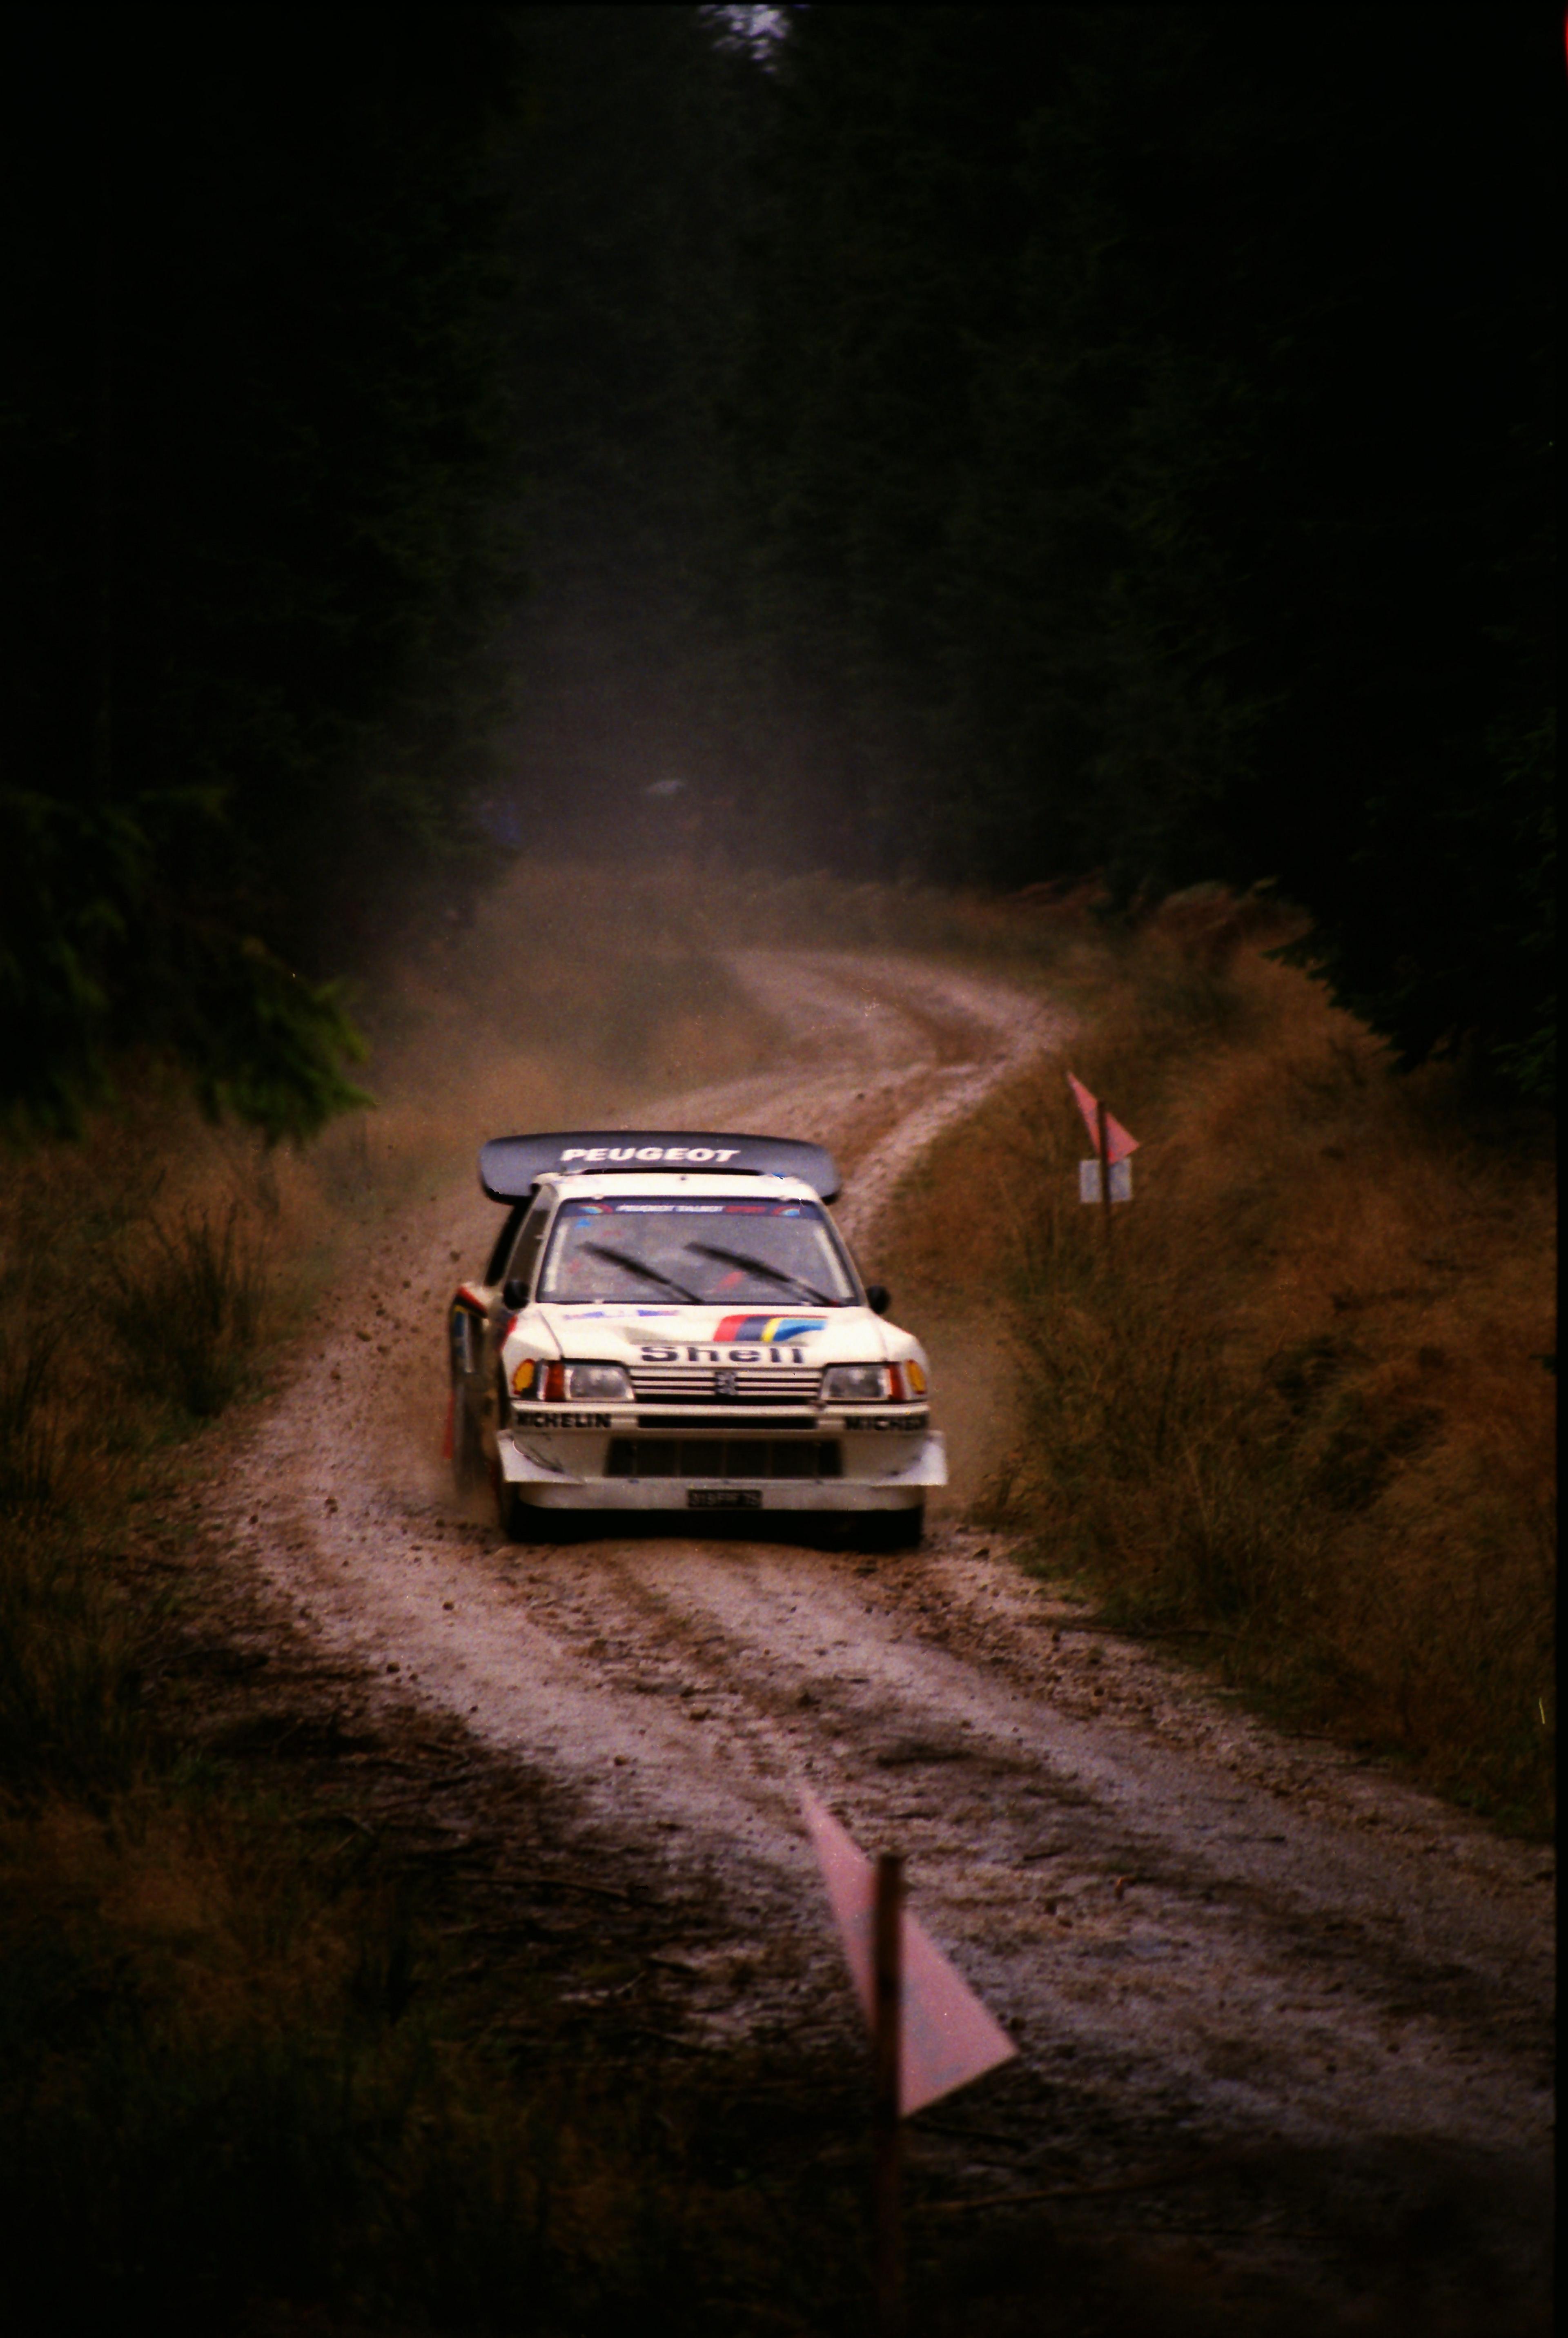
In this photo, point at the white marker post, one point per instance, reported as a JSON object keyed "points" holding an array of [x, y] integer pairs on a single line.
{"points": [[886, 2057], [1108, 1178], [1102, 1146], [1090, 1180], [929, 2032]]}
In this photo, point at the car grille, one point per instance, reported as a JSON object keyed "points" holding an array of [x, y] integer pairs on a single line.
{"points": [[734, 1384], [751, 1457]]}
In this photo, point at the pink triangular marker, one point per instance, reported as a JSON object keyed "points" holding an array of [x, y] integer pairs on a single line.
{"points": [[948, 2037], [1118, 1143]]}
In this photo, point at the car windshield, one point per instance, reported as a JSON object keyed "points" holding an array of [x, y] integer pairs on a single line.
{"points": [[708, 1254]]}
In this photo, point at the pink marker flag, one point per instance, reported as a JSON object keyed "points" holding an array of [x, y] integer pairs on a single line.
{"points": [[947, 2036], [1118, 1144]]}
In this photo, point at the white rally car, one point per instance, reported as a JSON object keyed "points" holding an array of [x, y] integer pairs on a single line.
{"points": [[673, 1323]]}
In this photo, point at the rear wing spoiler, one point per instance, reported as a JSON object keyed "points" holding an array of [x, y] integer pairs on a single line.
{"points": [[511, 1166]]}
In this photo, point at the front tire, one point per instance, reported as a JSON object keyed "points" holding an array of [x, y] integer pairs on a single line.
{"points": [[467, 1453], [517, 1519], [891, 1530]]}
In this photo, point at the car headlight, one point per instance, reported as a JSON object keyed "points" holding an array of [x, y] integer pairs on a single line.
{"points": [[857, 1384], [873, 1383], [597, 1384]]}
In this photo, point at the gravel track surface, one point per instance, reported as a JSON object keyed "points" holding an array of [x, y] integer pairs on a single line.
{"points": [[1210, 1940]]}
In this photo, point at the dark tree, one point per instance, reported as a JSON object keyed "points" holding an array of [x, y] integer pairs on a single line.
{"points": [[254, 420], [1155, 402]]}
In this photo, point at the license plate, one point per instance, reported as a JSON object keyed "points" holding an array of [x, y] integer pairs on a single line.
{"points": [[723, 1498]]}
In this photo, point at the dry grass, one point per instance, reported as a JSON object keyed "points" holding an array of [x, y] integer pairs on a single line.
{"points": [[147, 1271], [224, 2071], [187, 1312], [1299, 1403], [232, 2066], [239, 2070]]}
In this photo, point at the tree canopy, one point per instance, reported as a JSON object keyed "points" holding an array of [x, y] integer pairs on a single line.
{"points": [[252, 433], [1157, 402], [988, 442]]}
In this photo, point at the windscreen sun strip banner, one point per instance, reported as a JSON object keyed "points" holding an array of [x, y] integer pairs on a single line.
{"points": [[510, 1166]]}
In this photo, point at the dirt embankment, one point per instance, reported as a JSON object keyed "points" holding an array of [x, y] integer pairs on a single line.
{"points": [[1207, 1940]]}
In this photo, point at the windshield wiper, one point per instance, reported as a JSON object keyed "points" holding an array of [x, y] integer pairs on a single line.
{"points": [[635, 1266], [760, 1266]]}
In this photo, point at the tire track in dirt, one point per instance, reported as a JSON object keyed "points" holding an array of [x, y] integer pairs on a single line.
{"points": [[1204, 1934]]}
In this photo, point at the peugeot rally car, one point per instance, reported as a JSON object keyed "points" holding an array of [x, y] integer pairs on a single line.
{"points": [[673, 1323]]}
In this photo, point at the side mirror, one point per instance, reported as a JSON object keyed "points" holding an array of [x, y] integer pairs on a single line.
{"points": [[878, 1298], [515, 1294]]}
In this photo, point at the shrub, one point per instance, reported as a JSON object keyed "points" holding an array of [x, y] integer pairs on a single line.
{"points": [[1295, 1406], [187, 1315], [27, 1436]]}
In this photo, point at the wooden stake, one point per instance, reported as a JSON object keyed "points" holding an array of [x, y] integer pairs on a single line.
{"points": [[1103, 1142], [887, 2045]]}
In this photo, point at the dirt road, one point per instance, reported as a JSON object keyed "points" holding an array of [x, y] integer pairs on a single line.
{"points": [[1205, 1937]]}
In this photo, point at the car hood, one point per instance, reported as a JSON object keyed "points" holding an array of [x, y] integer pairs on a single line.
{"points": [[622, 1334]]}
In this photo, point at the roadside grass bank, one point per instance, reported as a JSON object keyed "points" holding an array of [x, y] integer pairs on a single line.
{"points": [[249, 2087], [1296, 1414], [239, 2075]]}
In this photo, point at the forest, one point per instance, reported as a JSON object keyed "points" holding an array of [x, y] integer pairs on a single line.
{"points": [[997, 445], [1035, 524]]}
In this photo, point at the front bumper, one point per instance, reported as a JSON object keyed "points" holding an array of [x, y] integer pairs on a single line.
{"points": [[676, 1466]]}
